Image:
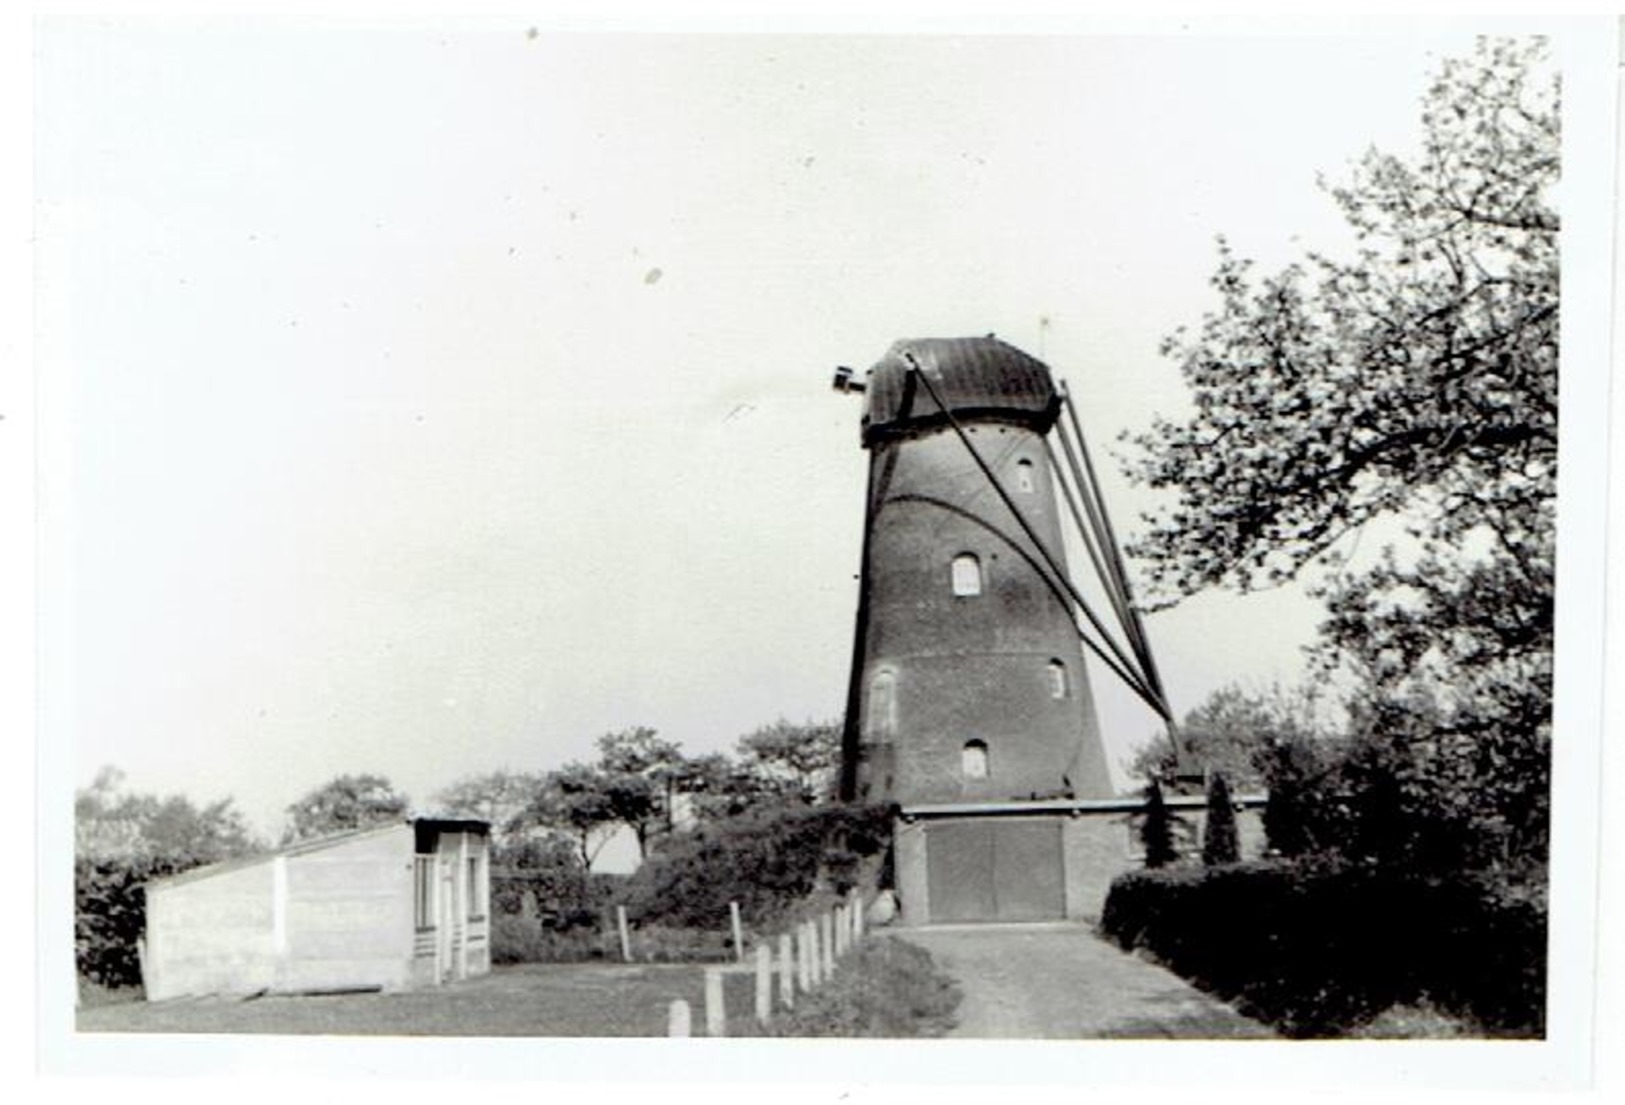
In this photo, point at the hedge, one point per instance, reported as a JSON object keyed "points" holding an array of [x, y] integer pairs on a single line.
{"points": [[767, 862], [1319, 948]]}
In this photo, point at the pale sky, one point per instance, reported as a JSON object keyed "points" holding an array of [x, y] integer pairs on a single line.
{"points": [[429, 398]]}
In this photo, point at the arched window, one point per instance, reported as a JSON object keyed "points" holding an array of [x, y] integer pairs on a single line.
{"points": [[880, 723], [967, 575], [973, 759], [1024, 475], [1057, 679]]}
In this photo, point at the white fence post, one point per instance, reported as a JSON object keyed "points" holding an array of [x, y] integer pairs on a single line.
{"points": [[678, 1018], [716, 1017], [804, 959], [826, 921], [843, 930], [787, 977], [818, 950], [626, 935], [738, 931], [857, 915], [764, 983]]}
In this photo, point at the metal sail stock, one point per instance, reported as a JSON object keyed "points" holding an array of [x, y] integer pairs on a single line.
{"points": [[1130, 659]]}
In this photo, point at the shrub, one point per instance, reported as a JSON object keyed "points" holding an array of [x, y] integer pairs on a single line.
{"points": [[1423, 1021], [543, 914], [1157, 828], [1317, 948], [516, 939], [546, 880], [110, 915], [768, 862], [1219, 843], [888, 988]]}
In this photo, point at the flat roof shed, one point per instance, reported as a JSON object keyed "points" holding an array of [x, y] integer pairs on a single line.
{"points": [[389, 908]]}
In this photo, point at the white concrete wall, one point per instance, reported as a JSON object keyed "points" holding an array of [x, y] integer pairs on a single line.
{"points": [[349, 913], [212, 935]]}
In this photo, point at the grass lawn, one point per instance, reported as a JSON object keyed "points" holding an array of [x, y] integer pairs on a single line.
{"points": [[534, 999]]}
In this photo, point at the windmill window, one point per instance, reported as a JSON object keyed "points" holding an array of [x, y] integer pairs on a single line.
{"points": [[973, 759], [967, 575], [1024, 476], [881, 720], [1057, 679]]}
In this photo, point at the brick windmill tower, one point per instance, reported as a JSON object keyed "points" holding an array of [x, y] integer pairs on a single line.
{"points": [[970, 708]]}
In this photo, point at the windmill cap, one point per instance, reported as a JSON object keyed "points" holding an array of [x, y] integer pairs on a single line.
{"points": [[979, 379]]}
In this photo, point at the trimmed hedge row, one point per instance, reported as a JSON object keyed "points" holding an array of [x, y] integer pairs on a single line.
{"points": [[1318, 948]]}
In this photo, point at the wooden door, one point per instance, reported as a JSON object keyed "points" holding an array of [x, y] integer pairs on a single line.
{"points": [[959, 867], [995, 870], [1027, 872]]}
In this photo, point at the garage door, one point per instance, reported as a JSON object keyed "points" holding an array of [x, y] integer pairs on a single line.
{"points": [[995, 870]]}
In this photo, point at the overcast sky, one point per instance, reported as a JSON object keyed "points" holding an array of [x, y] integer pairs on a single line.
{"points": [[428, 399]]}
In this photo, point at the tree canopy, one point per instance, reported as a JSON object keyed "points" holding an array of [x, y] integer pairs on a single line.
{"points": [[1419, 375], [1231, 732], [111, 823], [800, 759], [648, 784], [345, 803], [1414, 381], [498, 797]]}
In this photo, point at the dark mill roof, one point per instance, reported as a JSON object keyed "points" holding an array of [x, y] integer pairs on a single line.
{"points": [[980, 379]]}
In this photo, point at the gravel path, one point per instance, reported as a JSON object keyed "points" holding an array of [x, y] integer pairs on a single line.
{"points": [[1057, 981]]}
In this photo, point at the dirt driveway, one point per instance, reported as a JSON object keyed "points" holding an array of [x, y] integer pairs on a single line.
{"points": [[1056, 981]]}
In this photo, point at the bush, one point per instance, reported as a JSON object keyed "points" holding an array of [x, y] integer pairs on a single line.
{"points": [[1157, 828], [772, 863], [1414, 1022], [516, 939], [553, 914], [1318, 948], [888, 988], [110, 915], [769, 862], [1219, 840], [545, 878]]}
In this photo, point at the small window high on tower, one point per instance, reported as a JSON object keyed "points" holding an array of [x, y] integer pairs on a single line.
{"points": [[1057, 679], [967, 575], [1024, 476], [880, 721], [973, 759]]}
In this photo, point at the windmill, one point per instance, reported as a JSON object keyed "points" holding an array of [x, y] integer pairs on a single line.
{"points": [[969, 703]]}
